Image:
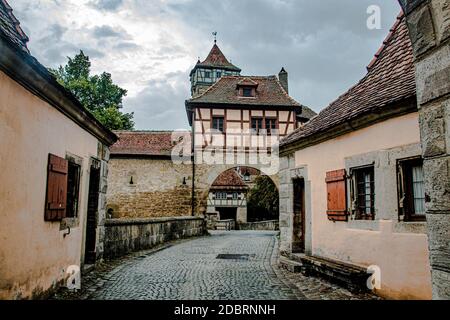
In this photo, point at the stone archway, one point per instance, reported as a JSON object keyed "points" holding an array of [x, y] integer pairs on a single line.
{"points": [[207, 174], [429, 30]]}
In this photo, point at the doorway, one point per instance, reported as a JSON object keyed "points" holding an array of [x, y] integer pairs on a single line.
{"points": [[92, 213], [298, 237], [227, 213]]}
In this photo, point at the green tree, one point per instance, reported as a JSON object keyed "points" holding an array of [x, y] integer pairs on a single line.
{"points": [[263, 199], [97, 93]]}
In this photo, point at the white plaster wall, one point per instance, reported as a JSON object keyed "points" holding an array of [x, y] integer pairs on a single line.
{"points": [[33, 253], [402, 256]]}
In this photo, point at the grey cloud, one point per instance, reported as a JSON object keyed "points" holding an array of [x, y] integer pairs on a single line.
{"points": [[106, 5], [109, 32], [160, 105], [126, 45], [324, 45]]}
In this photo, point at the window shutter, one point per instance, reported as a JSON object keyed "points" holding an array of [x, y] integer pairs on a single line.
{"points": [[55, 204], [337, 195]]}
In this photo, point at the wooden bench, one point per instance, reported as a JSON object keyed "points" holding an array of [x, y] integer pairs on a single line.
{"points": [[350, 276]]}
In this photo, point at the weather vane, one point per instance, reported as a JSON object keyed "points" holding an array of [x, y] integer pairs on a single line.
{"points": [[215, 36]]}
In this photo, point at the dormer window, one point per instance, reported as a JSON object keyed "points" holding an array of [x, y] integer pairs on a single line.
{"points": [[247, 88], [247, 92]]}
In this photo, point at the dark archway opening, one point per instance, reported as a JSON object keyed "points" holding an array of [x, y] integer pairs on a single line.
{"points": [[263, 200]]}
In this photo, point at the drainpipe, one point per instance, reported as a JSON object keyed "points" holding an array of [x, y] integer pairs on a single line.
{"points": [[193, 164]]}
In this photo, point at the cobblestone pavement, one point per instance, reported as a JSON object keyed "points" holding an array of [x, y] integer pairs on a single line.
{"points": [[194, 270]]}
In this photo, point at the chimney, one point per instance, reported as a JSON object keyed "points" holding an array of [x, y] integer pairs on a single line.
{"points": [[283, 77]]}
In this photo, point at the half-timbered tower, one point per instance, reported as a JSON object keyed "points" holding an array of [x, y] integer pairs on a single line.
{"points": [[227, 111], [208, 72]]}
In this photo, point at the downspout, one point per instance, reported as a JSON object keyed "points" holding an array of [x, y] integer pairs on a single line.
{"points": [[193, 165]]}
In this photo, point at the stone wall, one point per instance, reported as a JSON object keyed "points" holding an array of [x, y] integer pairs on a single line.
{"points": [[271, 225], [429, 29], [159, 188], [123, 236]]}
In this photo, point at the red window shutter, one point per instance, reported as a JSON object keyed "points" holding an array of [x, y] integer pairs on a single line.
{"points": [[55, 204], [337, 195]]}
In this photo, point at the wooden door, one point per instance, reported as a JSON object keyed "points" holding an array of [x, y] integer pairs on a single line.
{"points": [[298, 239], [92, 213]]}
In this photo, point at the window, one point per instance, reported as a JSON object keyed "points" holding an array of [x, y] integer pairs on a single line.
{"points": [[73, 188], [257, 124], [411, 191], [207, 74], [221, 196], [363, 193], [271, 125], [219, 74], [217, 123], [247, 92], [235, 196]]}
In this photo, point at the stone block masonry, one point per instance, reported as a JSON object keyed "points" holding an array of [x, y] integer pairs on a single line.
{"points": [[270, 225], [146, 188], [123, 236]]}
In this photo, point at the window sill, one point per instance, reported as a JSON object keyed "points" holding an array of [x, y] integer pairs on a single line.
{"points": [[410, 227], [369, 225]]}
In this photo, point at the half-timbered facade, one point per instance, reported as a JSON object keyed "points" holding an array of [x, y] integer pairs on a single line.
{"points": [[233, 107]]}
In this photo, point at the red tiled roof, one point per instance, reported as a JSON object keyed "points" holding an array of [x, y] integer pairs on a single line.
{"points": [[269, 92], [390, 79], [10, 27], [217, 59], [250, 171], [229, 180], [147, 143]]}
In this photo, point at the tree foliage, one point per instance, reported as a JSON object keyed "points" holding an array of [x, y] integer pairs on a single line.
{"points": [[263, 199], [97, 93]]}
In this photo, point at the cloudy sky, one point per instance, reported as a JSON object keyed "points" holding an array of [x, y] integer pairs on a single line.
{"points": [[150, 46]]}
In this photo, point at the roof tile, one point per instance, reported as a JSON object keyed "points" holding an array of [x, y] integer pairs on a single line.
{"points": [[229, 179], [148, 143], [10, 27], [269, 92]]}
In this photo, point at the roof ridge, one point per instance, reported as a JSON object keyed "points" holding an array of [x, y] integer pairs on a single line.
{"points": [[386, 40]]}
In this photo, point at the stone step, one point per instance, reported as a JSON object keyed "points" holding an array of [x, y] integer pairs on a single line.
{"points": [[290, 265]]}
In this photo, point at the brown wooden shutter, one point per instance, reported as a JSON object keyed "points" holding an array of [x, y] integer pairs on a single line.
{"points": [[337, 195], [55, 204]]}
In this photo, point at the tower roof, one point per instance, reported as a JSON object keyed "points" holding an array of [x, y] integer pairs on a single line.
{"points": [[216, 59]]}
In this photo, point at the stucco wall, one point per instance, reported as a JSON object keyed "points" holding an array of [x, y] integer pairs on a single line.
{"points": [[34, 255], [399, 249], [157, 189]]}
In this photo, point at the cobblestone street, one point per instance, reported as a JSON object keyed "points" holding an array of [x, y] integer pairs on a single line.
{"points": [[226, 265]]}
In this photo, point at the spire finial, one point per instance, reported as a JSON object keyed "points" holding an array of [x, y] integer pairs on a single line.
{"points": [[215, 36]]}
